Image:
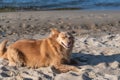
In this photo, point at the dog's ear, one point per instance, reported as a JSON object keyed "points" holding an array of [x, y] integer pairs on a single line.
{"points": [[54, 31]]}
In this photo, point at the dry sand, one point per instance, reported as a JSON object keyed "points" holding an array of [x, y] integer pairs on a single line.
{"points": [[96, 49]]}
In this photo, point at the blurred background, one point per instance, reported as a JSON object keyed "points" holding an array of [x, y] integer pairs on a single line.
{"points": [[60, 4]]}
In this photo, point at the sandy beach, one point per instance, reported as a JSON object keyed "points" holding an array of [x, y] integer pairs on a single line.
{"points": [[96, 48]]}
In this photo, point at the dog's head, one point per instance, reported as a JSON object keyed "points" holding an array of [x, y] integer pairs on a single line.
{"points": [[65, 39]]}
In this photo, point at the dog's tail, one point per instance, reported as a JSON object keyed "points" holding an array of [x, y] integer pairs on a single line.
{"points": [[3, 49]]}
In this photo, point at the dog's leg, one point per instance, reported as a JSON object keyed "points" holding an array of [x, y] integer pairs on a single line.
{"points": [[13, 57], [66, 68]]}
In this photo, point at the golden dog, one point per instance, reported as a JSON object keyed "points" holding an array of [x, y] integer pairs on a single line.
{"points": [[53, 51]]}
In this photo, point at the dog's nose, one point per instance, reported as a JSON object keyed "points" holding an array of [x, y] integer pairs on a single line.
{"points": [[69, 42]]}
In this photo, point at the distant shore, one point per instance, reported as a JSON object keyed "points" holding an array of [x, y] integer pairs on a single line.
{"points": [[16, 9]]}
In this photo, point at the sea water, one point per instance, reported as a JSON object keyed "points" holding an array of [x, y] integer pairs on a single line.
{"points": [[63, 4]]}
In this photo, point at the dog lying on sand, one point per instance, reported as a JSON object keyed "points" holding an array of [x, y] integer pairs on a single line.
{"points": [[53, 51]]}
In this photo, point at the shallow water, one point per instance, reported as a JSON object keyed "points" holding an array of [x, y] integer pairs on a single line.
{"points": [[63, 4]]}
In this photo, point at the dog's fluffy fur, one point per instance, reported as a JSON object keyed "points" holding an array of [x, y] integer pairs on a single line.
{"points": [[53, 51]]}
